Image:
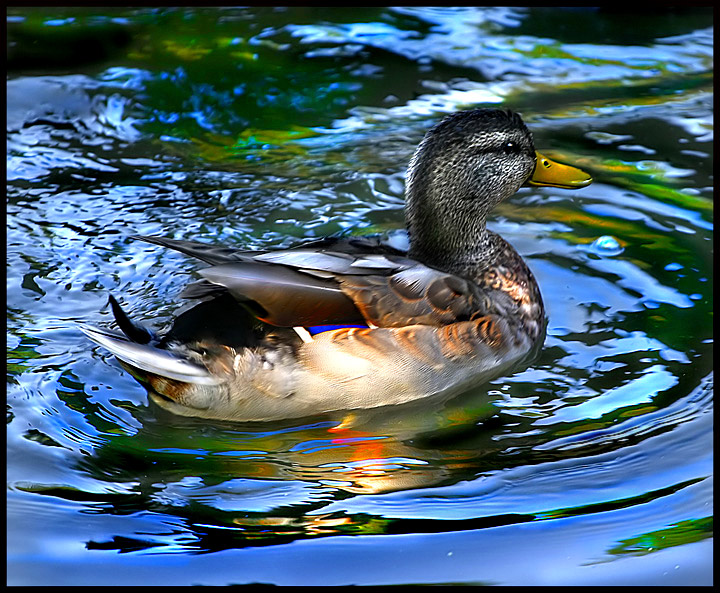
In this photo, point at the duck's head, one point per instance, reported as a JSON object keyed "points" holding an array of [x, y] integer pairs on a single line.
{"points": [[464, 167]]}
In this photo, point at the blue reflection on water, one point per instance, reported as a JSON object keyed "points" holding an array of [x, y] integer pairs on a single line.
{"points": [[605, 438]]}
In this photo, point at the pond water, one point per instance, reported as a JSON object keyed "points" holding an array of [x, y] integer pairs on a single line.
{"points": [[257, 127]]}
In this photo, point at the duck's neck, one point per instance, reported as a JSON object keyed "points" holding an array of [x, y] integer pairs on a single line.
{"points": [[446, 209], [454, 242]]}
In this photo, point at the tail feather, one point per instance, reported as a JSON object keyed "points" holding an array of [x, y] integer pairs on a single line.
{"points": [[148, 358], [135, 332]]}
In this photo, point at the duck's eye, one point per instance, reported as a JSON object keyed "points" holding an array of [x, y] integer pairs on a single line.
{"points": [[511, 147]]}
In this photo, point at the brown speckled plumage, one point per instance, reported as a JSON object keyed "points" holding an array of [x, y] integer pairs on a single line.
{"points": [[459, 308]]}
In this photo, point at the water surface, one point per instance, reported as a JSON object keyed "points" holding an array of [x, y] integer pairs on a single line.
{"points": [[258, 127]]}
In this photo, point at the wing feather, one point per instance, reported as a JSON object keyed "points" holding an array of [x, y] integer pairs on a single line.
{"points": [[364, 282]]}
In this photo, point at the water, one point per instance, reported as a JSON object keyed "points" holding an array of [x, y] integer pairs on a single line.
{"points": [[258, 126]]}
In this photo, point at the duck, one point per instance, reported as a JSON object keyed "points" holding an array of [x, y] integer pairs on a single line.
{"points": [[352, 323]]}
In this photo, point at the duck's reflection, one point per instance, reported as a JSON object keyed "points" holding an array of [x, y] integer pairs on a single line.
{"points": [[230, 485]]}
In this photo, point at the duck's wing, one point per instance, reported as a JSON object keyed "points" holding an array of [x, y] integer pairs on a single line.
{"points": [[324, 285], [415, 295], [216, 255], [278, 294], [211, 254]]}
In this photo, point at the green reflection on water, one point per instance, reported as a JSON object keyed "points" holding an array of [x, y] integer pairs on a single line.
{"points": [[683, 532]]}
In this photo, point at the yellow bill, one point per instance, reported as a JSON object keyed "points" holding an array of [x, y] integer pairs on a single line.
{"points": [[549, 173]]}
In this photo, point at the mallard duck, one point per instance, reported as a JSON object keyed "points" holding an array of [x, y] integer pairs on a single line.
{"points": [[349, 323]]}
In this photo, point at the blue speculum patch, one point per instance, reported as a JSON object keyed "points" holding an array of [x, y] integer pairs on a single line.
{"points": [[318, 329]]}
